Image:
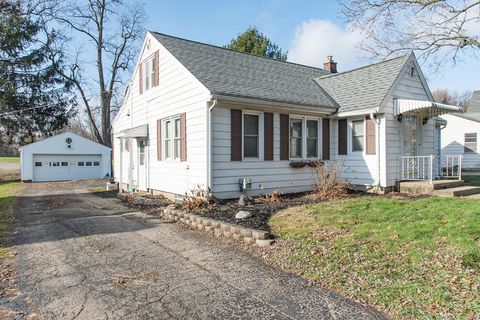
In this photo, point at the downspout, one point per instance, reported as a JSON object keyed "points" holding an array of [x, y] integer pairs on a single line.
{"points": [[379, 166], [120, 185], [209, 144]]}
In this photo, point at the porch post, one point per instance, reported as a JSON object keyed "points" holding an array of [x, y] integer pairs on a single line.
{"points": [[431, 168]]}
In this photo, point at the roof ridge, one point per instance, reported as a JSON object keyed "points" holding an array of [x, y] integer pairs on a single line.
{"points": [[363, 67], [240, 52]]}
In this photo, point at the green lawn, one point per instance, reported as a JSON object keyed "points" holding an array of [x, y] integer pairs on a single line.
{"points": [[409, 258], [10, 159], [9, 185], [471, 180]]}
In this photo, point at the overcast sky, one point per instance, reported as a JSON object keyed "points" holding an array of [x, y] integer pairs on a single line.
{"points": [[309, 29]]}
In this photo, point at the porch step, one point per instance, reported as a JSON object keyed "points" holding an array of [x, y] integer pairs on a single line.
{"points": [[457, 192], [425, 187]]}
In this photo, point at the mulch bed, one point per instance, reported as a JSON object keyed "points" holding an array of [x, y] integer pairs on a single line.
{"points": [[261, 208]]}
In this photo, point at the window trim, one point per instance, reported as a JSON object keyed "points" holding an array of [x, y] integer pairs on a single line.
{"points": [[350, 135], [171, 139], [468, 150], [304, 137], [260, 140]]}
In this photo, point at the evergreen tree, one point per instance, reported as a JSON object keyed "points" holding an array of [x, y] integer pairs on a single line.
{"points": [[35, 100], [254, 42]]}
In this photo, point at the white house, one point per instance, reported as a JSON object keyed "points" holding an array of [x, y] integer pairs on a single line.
{"points": [[66, 156], [460, 136], [201, 115]]}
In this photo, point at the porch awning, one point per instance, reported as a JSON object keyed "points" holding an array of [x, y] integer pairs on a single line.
{"points": [[409, 107], [137, 132]]}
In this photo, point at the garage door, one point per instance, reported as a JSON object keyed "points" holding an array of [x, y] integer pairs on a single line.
{"points": [[66, 167]]}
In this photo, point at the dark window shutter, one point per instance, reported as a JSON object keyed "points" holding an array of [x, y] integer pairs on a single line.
{"points": [[140, 78], [370, 136], [325, 139], [342, 136], [284, 137], [236, 134], [183, 137], [155, 68], [268, 136], [159, 140]]}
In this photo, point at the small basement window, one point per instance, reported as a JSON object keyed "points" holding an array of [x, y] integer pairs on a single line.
{"points": [[81, 164], [88, 163], [38, 164], [96, 163]]}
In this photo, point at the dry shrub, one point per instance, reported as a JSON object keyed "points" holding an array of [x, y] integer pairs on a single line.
{"points": [[328, 182], [274, 197], [197, 198]]}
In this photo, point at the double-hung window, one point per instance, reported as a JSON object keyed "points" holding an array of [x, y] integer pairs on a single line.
{"points": [[303, 138], [251, 134], [148, 73], [358, 140], [296, 138], [312, 138], [171, 138], [470, 145]]}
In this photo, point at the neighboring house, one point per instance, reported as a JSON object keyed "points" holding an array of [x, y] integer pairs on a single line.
{"points": [[461, 135], [201, 115], [66, 156]]}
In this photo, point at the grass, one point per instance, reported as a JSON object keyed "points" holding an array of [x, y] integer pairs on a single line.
{"points": [[9, 185], [471, 180], [10, 159], [410, 258]]}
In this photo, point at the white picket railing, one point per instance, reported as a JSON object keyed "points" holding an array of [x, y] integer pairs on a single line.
{"points": [[451, 166], [417, 168]]}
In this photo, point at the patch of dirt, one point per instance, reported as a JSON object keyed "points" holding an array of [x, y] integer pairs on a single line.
{"points": [[105, 194], [138, 279], [8, 273], [404, 196], [55, 203]]}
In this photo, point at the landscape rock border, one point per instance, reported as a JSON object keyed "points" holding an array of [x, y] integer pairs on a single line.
{"points": [[219, 228]]}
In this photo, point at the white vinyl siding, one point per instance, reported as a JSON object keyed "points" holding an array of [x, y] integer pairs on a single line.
{"points": [[179, 92]]}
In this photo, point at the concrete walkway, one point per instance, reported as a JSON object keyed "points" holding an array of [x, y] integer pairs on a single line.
{"points": [[81, 256]]}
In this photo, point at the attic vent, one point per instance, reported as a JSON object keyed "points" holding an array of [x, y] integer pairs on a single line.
{"points": [[412, 71], [148, 44]]}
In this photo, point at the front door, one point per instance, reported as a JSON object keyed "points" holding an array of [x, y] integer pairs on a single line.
{"points": [[409, 134], [142, 164]]}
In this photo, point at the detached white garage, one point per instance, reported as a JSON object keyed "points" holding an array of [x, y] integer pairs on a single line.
{"points": [[66, 156]]}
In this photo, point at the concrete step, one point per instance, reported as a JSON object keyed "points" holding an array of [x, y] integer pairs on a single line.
{"points": [[457, 192], [425, 187], [445, 184], [473, 196]]}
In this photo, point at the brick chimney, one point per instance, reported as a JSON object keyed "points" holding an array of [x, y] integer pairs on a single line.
{"points": [[330, 65]]}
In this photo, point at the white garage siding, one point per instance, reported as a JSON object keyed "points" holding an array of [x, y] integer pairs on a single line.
{"points": [[54, 159], [47, 167]]}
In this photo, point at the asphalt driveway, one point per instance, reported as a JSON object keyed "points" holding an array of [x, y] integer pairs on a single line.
{"points": [[81, 256]]}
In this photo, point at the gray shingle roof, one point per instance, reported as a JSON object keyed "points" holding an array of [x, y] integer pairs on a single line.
{"points": [[363, 87], [232, 73]]}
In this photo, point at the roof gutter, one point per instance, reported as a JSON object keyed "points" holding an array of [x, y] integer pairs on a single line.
{"points": [[277, 106]]}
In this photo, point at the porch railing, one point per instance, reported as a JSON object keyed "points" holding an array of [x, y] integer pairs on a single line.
{"points": [[451, 166], [417, 168]]}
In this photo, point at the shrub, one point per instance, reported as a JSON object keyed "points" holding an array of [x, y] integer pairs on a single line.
{"points": [[197, 198], [328, 182], [274, 197]]}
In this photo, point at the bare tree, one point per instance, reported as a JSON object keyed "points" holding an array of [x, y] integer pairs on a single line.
{"points": [[110, 29], [440, 30], [453, 97]]}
